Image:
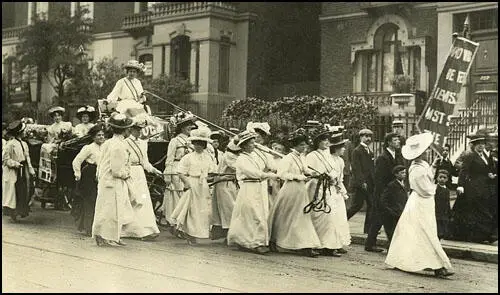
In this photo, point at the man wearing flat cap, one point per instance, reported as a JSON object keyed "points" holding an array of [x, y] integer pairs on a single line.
{"points": [[362, 166]]}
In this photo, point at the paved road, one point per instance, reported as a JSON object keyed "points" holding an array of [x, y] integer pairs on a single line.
{"points": [[45, 254]]}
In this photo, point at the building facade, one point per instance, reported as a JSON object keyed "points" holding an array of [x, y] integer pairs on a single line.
{"points": [[228, 50], [364, 43]]}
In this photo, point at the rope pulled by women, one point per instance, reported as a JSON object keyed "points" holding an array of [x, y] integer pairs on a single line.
{"points": [[319, 204]]}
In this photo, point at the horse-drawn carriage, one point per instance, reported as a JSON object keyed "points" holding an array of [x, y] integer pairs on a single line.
{"points": [[54, 181]]}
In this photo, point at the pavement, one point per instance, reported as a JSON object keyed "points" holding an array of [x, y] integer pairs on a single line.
{"points": [[455, 249], [44, 253]]}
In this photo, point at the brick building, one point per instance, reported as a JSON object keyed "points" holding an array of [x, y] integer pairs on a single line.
{"points": [[229, 50], [362, 43]]}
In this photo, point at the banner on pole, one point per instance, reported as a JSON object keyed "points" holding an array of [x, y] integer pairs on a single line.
{"points": [[435, 117]]}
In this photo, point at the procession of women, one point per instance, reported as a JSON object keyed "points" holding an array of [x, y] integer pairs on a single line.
{"points": [[238, 187]]}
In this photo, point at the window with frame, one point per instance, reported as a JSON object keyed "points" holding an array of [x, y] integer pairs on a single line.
{"points": [[375, 68], [180, 59], [224, 58], [478, 20]]}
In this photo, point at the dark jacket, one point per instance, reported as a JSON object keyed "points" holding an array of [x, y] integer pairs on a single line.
{"points": [[393, 199], [442, 201], [363, 167], [473, 176], [445, 164], [383, 170]]}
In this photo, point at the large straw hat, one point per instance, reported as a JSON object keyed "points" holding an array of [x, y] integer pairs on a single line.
{"points": [[232, 147], [16, 127], [254, 126], [244, 137], [201, 134], [120, 121], [133, 64], [89, 110], [183, 118], [416, 145], [337, 140], [297, 136], [56, 110]]}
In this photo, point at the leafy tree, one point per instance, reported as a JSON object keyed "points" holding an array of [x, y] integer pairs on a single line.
{"points": [[169, 87], [52, 46]]}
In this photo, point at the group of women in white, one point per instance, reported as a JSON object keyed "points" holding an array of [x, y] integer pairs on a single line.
{"points": [[240, 206]]}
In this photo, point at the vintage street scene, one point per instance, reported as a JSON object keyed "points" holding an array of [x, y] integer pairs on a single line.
{"points": [[224, 147]]}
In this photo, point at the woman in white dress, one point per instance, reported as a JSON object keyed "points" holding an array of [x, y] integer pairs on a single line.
{"points": [[249, 223], [290, 228], [192, 214], [337, 150], [113, 208], [225, 192], [59, 126], [144, 224], [16, 173], [86, 116], [323, 195], [178, 147], [415, 244], [129, 87], [86, 179]]}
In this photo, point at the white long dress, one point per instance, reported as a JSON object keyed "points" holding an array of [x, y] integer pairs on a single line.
{"points": [[290, 227], [330, 227], [178, 147], [192, 214], [266, 160], [126, 88], [113, 207], [144, 223], [249, 222], [224, 195], [415, 244]]}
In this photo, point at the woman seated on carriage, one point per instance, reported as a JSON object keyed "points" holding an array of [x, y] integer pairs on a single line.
{"points": [[86, 115], [59, 127]]}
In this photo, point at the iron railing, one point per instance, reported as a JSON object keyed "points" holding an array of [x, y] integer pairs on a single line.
{"points": [[13, 32]]}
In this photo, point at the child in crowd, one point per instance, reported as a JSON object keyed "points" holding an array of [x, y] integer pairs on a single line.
{"points": [[442, 199]]}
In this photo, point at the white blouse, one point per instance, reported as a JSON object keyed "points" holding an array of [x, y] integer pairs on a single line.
{"points": [[126, 89], [197, 165], [55, 129], [90, 153], [82, 129]]}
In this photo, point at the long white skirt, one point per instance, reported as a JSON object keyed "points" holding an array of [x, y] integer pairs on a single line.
{"points": [[224, 198], [332, 228], [249, 223], [9, 179], [290, 227], [172, 196], [144, 222], [415, 244], [112, 209], [193, 211]]}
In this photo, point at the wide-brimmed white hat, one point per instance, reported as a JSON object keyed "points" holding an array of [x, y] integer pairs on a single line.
{"points": [[133, 64], [56, 109], [201, 133], [253, 126], [231, 146], [416, 145], [244, 137]]}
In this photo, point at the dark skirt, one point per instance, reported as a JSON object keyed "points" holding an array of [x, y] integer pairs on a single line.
{"points": [[472, 219], [22, 193], [85, 198]]}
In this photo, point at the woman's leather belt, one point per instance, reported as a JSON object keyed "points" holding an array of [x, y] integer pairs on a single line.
{"points": [[251, 180]]}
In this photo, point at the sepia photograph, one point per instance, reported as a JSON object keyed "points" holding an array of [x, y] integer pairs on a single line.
{"points": [[249, 147]]}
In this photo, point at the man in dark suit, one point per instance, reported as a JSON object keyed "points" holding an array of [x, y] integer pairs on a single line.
{"points": [[362, 166], [393, 200], [390, 157]]}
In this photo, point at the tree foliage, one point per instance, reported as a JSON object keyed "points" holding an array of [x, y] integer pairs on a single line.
{"points": [[352, 112], [169, 87], [54, 45]]}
